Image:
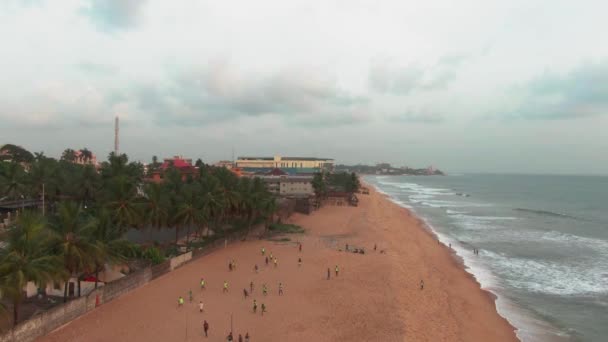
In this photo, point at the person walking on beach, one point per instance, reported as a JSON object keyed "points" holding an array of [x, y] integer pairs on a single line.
{"points": [[275, 262], [245, 294], [299, 262], [247, 337], [225, 286], [251, 287], [230, 338], [266, 261], [255, 306], [255, 268], [337, 270], [202, 283], [264, 289], [263, 251], [240, 338], [280, 289], [271, 256], [205, 328], [263, 308], [180, 301], [200, 306], [230, 266], [190, 295], [300, 247], [421, 284], [328, 273]]}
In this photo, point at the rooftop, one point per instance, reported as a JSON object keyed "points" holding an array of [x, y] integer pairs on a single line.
{"points": [[284, 158]]}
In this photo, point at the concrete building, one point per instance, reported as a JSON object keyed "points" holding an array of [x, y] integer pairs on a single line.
{"points": [[183, 165], [224, 163], [288, 185], [290, 165]]}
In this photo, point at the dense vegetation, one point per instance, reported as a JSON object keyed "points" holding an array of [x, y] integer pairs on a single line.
{"points": [[324, 183], [88, 212]]}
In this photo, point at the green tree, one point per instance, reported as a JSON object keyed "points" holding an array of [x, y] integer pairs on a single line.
{"points": [[16, 154], [27, 257], [319, 185], [68, 155], [44, 173], [73, 239], [189, 213], [13, 181], [112, 248], [120, 197], [156, 206]]}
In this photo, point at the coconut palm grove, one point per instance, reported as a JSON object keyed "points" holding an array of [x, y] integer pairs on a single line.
{"points": [[86, 213]]}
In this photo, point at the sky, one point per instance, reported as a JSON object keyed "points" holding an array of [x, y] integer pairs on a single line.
{"points": [[466, 86]]}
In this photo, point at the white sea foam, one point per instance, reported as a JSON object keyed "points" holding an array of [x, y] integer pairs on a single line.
{"points": [[453, 204], [549, 277], [455, 212]]}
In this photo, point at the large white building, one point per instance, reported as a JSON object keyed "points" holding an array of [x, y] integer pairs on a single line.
{"points": [[291, 164]]}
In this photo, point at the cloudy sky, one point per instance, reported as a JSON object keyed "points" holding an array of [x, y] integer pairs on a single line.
{"points": [[469, 85]]}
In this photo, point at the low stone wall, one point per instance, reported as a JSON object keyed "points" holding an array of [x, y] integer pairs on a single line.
{"points": [[46, 322], [180, 260]]}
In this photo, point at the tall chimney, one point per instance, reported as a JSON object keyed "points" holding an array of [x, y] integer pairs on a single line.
{"points": [[116, 136]]}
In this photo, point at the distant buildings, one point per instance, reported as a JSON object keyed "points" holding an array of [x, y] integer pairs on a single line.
{"points": [[181, 164], [291, 165], [85, 157], [225, 163]]}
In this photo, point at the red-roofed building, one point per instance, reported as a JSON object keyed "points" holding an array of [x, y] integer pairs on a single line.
{"points": [[183, 165]]}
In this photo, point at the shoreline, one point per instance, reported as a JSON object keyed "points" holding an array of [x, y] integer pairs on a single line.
{"points": [[457, 260], [376, 297], [525, 324]]}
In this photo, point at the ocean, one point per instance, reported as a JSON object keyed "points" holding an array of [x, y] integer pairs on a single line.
{"points": [[542, 240]]}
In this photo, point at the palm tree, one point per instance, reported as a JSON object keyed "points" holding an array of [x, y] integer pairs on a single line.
{"points": [[73, 239], [43, 172], [27, 257], [88, 184], [269, 208], [13, 181], [188, 213], [68, 155], [213, 201], [319, 184], [155, 205], [121, 199], [112, 247]]}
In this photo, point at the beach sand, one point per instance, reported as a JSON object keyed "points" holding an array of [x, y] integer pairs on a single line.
{"points": [[375, 297]]}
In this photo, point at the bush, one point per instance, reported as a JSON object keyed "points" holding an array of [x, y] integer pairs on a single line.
{"points": [[285, 228], [154, 255]]}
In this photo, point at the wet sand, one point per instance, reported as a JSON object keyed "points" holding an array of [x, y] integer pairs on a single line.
{"points": [[375, 297]]}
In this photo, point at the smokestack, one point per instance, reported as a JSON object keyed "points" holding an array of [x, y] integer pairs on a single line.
{"points": [[116, 136]]}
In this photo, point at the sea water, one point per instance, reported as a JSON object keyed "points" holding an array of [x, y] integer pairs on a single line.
{"points": [[542, 240]]}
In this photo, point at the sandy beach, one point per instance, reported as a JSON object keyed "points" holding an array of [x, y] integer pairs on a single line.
{"points": [[375, 297]]}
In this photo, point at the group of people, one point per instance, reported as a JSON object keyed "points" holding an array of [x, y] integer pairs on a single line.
{"points": [[231, 338], [246, 294], [337, 270]]}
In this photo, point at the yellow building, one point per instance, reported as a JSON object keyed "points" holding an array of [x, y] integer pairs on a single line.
{"points": [[297, 164]]}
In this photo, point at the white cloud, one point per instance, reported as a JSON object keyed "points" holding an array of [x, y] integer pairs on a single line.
{"points": [[324, 69]]}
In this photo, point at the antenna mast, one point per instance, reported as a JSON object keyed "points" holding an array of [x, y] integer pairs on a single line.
{"points": [[116, 136]]}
